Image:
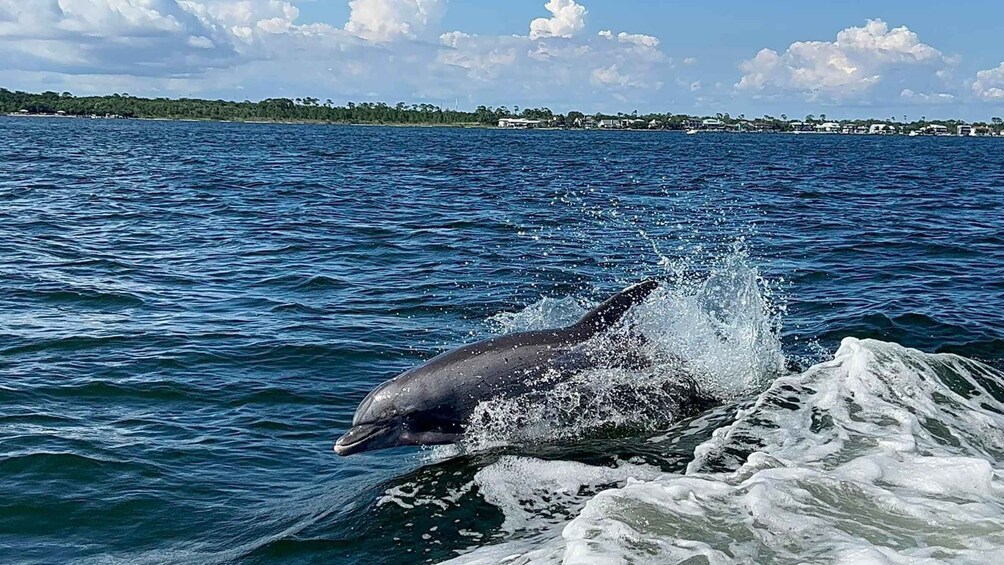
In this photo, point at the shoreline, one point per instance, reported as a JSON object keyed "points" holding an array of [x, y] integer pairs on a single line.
{"points": [[469, 125]]}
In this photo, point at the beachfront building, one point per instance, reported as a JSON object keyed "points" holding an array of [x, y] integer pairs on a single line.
{"points": [[828, 127], [610, 124], [881, 129], [800, 127], [965, 130], [518, 123], [712, 124], [934, 129], [694, 123], [853, 129]]}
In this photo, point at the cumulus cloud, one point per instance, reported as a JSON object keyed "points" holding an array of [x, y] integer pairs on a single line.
{"points": [[859, 59], [134, 37], [50, 19], [385, 20], [989, 84], [610, 76], [638, 39], [260, 48], [567, 19]]}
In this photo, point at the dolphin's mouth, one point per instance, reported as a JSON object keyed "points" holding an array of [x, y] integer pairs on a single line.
{"points": [[363, 438]]}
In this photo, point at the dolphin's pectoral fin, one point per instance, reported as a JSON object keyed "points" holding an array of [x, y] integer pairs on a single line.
{"points": [[611, 311]]}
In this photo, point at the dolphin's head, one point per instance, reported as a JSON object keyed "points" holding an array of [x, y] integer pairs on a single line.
{"points": [[389, 417], [369, 437]]}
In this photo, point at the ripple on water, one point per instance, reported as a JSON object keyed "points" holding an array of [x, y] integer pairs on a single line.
{"points": [[192, 311]]}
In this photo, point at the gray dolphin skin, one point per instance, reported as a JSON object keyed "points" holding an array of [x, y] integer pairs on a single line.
{"points": [[430, 404]]}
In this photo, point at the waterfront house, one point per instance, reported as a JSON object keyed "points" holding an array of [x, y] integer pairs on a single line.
{"points": [[965, 130], [852, 129], [934, 129], [881, 129], [518, 123], [828, 127], [799, 127], [611, 124], [712, 124], [694, 123]]}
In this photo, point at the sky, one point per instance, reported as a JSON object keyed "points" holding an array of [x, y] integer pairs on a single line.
{"points": [[847, 59]]}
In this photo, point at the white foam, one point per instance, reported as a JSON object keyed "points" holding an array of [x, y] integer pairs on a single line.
{"points": [[530, 492], [868, 458]]}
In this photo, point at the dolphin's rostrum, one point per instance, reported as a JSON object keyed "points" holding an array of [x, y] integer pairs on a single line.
{"points": [[430, 404]]}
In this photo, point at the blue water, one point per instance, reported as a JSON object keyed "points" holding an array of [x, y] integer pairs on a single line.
{"points": [[191, 312]]}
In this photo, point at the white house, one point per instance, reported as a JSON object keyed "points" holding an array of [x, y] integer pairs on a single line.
{"points": [[881, 129], [610, 124], [713, 124], [518, 123], [828, 127], [799, 127], [964, 130]]}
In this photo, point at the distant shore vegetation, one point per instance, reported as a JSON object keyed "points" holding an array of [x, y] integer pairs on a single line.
{"points": [[308, 109]]}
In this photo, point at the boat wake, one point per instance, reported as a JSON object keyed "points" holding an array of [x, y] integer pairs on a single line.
{"points": [[882, 455]]}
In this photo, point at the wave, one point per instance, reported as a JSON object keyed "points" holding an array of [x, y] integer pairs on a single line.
{"points": [[884, 454]]}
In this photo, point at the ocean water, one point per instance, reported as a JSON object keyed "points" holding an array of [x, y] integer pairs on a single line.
{"points": [[191, 312]]}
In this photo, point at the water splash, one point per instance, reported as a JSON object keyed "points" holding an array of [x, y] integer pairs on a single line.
{"points": [[701, 338]]}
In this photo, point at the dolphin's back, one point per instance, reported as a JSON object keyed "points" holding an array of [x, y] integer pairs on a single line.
{"points": [[462, 377]]}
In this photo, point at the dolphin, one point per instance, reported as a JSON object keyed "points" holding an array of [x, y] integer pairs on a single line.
{"points": [[430, 404]]}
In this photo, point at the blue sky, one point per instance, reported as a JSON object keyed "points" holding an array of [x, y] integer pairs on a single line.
{"points": [[846, 59]]}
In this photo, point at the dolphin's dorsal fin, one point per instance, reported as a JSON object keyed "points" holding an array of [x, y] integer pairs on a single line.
{"points": [[608, 313]]}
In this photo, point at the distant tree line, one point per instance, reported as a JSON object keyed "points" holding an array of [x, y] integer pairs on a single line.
{"points": [[272, 109], [314, 110]]}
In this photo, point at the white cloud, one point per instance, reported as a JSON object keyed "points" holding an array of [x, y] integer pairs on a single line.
{"points": [[860, 58], [260, 48], [128, 37], [454, 38], [567, 19], [924, 97], [610, 76], [385, 20], [638, 39], [989, 84], [52, 19], [690, 61], [481, 58]]}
